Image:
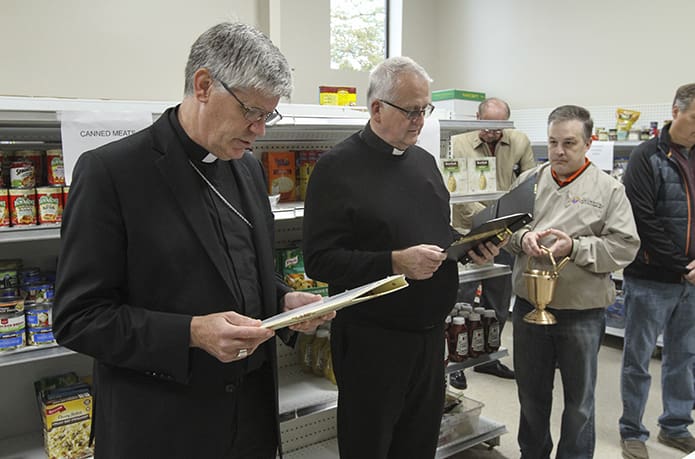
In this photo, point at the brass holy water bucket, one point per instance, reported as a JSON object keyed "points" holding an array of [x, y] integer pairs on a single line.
{"points": [[541, 289]]}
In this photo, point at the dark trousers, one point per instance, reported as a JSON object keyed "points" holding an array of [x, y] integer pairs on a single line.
{"points": [[391, 390]]}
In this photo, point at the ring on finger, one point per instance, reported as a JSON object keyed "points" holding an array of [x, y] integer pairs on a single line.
{"points": [[242, 354]]}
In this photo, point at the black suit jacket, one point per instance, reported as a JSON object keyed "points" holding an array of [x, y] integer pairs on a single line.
{"points": [[139, 258]]}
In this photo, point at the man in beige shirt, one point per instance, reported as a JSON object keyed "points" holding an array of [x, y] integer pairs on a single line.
{"points": [[513, 154]]}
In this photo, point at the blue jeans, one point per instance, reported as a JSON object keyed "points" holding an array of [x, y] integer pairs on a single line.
{"points": [[571, 345], [651, 307]]}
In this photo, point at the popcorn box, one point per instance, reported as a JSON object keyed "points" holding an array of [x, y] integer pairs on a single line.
{"points": [[482, 175], [455, 174]]}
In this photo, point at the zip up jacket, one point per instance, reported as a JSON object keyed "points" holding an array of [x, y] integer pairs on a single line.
{"points": [[658, 193]]}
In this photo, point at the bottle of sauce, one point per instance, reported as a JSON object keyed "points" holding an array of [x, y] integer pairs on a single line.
{"points": [[491, 330], [458, 340], [447, 325], [318, 356], [476, 336], [305, 343]]}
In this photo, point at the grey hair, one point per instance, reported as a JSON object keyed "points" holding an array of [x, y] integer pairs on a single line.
{"points": [[684, 97], [385, 78], [493, 101], [242, 57], [573, 112]]}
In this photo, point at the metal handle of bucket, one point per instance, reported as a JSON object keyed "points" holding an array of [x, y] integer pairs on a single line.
{"points": [[556, 267]]}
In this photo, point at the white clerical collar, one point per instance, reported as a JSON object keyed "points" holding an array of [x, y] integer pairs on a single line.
{"points": [[397, 152], [210, 158]]}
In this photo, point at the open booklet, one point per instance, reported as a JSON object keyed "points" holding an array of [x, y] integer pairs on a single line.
{"points": [[333, 303]]}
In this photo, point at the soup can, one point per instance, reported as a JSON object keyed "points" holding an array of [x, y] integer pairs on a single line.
{"points": [[49, 203], [22, 174], [4, 207], [35, 158], [55, 169], [22, 207], [12, 324], [39, 323]]}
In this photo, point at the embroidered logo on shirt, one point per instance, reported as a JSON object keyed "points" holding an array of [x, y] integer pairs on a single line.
{"points": [[573, 200]]}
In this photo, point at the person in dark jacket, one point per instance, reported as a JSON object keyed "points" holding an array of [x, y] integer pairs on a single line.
{"points": [[659, 284], [166, 266], [377, 205]]}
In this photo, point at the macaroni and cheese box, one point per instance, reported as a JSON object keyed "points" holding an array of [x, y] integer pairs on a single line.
{"points": [[66, 408]]}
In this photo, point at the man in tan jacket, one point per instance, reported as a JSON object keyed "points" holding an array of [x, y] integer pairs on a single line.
{"points": [[513, 155]]}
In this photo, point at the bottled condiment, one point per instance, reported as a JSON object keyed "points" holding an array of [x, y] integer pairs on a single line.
{"points": [[305, 343], [479, 310], [447, 325], [318, 355], [491, 330], [458, 340], [476, 336]]}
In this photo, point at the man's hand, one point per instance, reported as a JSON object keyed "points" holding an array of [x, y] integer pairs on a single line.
{"points": [[418, 262], [561, 245], [295, 299], [228, 336], [486, 252], [690, 276]]}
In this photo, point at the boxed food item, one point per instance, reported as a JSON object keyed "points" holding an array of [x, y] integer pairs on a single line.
{"points": [[460, 418], [282, 174], [306, 160], [66, 405], [455, 174], [294, 275], [482, 175], [460, 103], [337, 95]]}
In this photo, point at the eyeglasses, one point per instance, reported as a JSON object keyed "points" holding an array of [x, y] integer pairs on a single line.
{"points": [[412, 115], [492, 131], [254, 114]]}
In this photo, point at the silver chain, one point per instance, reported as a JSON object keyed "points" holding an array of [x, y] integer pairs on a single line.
{"points": [[219, 195]]}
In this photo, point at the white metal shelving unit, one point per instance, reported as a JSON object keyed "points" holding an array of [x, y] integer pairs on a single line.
{"points": [[307, 403]]}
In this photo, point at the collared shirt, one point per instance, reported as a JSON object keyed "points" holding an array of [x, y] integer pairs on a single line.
{"points": [[234, 235]]}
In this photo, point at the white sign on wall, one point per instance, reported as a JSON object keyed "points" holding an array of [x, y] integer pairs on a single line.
{"points": [[601, 154], [83, 131]]}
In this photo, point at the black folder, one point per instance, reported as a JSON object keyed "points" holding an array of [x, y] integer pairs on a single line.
{"points": [[509, 213]]}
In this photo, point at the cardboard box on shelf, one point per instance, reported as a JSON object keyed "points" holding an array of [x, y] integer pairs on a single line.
{"points": [[455, 174], [66, 407], [282, 174], [337, 95], [482, 175], [461, 104]]}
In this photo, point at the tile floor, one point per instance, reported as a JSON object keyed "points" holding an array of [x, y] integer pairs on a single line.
{"points": [[501, 405]]}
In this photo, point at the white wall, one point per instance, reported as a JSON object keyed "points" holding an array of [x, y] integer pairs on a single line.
{"points": [[545, 53], [128, 49], [534, 53]]}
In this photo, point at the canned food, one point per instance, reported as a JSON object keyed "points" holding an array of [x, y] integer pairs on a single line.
{"points": [[12, 324], [38, 315], [7, 293], [22, 174], [49, 204], [35, 157], [55, 169], [28, 275], [40, 337], [8, 273], [4, 207], [37, 293], [22, 207]]}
